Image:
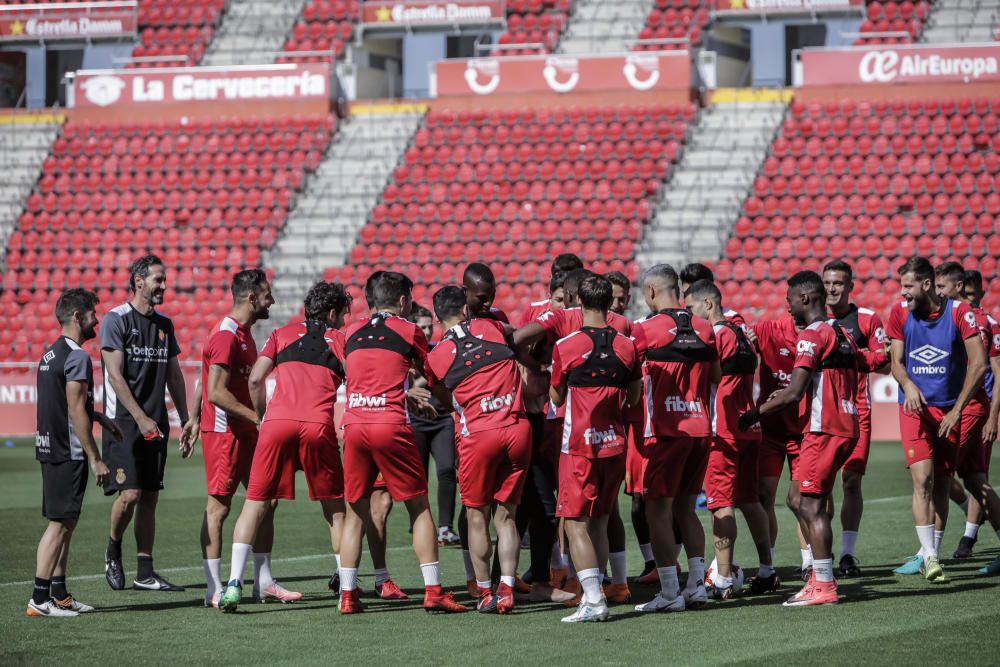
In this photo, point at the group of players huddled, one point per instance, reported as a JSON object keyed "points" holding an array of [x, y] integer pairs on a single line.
{"points": [[549, 419]]}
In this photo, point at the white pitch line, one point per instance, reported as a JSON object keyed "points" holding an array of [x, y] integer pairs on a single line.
{"points": [[190, 568], [890, 499]]}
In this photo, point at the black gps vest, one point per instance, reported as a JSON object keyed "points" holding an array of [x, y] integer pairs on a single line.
{"points": [[472, 354], [312, 348], [686, 347], [602, 368], [844, 355], [376, 334], [744, 362]]}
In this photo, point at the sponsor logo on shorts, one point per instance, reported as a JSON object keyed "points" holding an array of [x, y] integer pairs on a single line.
{"points": [[784, 351], [494, 403], [679, 404], [929, 356], [359, 400], [806, 483], [848, 407], [120, 476], [603, 438]]}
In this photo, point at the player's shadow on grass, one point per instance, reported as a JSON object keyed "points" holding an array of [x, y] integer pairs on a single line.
{"points": [[175, 603]]}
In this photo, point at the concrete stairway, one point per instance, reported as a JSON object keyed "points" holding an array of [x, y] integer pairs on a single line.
{"points": [[323, 227], [598, 26], [958, 21], [252, 32], [25, 142], [703, 200]]}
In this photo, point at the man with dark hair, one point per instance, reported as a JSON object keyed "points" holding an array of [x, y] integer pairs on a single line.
{"points": [[731, 477], [228, 426], [480, 290], [694, 272], [866, 328], [474, 369], [595, 370], [140, 351], [64, 444], [378, 439], [939, 362], [979, 419], [436, 437], [621, 288], [561, 265], [297, 430], [826, 367]]}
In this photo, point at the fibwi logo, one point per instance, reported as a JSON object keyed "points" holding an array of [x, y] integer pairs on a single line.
{"points": [[680, 404], [494, 403], [601, 437], [359, 400], [929, 356]]}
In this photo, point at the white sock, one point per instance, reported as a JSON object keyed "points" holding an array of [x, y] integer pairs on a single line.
{"points": [[807, 557], [669, 584], [238, 563], [507, 580], [432, 573], [647, 552], [926, 536], [470, 572], [765, 570], [850, 540], [823, 569], [619, 567], [348, 578], [213, 576], [722, 582], [484, 584], [262, 571], [696, 573], [590, 581], [971, 530], [938, 536], [381, 576]]}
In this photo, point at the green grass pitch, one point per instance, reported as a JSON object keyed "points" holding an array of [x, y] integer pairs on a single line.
{"points": [[882, 619]]}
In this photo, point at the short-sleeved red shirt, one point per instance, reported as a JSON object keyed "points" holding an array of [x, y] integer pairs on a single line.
{"points": [[378, 353], [832, 391], [593, 426], [304, 392], [489, 398], [734, 394], [229, 344], [776, 341]]}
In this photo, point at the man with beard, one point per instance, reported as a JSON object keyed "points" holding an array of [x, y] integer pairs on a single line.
{"points": [[140, 351]]}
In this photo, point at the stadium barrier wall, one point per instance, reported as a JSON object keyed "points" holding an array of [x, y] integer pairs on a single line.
{"points": [[172, 93], [69, 21]]}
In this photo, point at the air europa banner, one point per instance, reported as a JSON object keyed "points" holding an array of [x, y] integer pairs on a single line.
{"points": [[194, 85], [518, 75], [901, 64], [71, 20], [783, 6], [429, 13]]}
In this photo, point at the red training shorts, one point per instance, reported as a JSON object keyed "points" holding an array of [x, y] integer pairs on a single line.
{"points": [[285, 446], [493, 465], [731, 477], [389, 449], [973, 454], [773, 452], [227, 460], [659, 472], [821, 457], [919, 434], [857, 460], [588, 487]]}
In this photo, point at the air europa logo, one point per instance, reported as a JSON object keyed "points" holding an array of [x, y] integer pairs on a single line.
{"points": [[886, 66], [359, 400]]}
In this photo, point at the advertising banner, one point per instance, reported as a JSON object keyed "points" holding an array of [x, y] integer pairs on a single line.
{"points": [[429, 14], [784, 6], [71, 20], [901, 64]]}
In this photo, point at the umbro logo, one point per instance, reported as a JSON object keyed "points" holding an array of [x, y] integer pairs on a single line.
{"points": [[928, 354], [783, 351]]}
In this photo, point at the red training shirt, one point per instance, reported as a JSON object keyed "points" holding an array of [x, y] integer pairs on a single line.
{"points": [[229, 344], [776, 341], [303, 392], [734, 394]]}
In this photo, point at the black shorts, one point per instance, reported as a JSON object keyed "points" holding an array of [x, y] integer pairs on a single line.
{"points": [[134, 462], [63, 486]]}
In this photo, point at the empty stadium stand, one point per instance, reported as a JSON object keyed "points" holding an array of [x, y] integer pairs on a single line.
{"points": [[675, 21]]}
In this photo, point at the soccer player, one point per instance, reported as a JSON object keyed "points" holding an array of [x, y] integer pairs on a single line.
{"points": [[378, 438], [731, 478], [562, 265], [975, 441], [781, 432], [866, 328], [680, 363], [692, 273], [64, 445], [297, 430], [826, 366], [592, 371], [939, 362], [139, 352], [480, 290], [436, 437], [474, 369]]}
